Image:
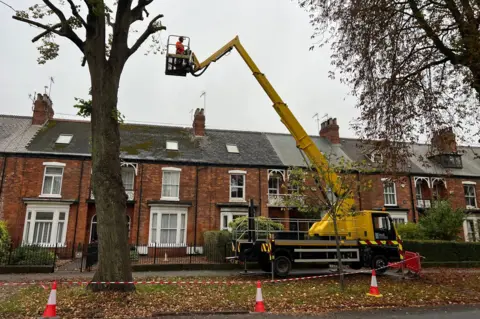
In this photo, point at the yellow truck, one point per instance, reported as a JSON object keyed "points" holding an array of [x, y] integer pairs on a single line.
{"points": [[367, 239]]}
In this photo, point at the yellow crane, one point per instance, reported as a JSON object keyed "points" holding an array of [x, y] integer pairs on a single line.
{"points": [[374, 244], [183, 64]]}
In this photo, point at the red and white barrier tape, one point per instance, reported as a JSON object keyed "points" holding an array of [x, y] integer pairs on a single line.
{"points": [[195, 282]]}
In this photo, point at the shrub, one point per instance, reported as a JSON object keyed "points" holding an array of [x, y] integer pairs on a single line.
{"points": [[32, 255], [444, 251], [4, 241], [410, 231], [216, 245], [240, 225], [442, 222]]}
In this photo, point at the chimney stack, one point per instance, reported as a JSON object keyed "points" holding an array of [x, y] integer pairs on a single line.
{"points": [[42, 110], [331, 131], [444, 141], [199, 123]]}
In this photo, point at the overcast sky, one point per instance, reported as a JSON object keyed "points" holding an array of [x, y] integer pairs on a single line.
{"points": [[276, 33]]}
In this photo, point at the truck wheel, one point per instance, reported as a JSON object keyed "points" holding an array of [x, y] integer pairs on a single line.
{"points": [[356, 266], [282, 266], [380, 261]]}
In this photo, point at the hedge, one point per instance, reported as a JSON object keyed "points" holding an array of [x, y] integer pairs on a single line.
{"points": [[217, 245], [436, 251]]}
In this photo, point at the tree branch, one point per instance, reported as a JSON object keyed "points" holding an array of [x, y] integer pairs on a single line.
{"points": [[76, 14], [151, 29], [137, 12], [454, 58], [68, 34], [44, 33]]}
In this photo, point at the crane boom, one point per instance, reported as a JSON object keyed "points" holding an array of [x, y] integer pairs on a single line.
{"points": [[304, 142]]}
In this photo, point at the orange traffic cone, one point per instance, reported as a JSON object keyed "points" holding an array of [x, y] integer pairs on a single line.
{"points": [[51, 309], [373, 286], [259, 305]]}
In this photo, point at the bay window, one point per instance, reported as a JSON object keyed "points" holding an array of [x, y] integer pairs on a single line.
{"points": [[46, 225], [168, 226]]}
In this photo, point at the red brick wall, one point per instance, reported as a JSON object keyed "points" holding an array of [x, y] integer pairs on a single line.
{"points": [[24, 177]]}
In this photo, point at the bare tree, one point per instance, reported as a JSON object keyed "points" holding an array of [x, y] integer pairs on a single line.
{"points": [[105, 49], [315, 193], [413, 64]]}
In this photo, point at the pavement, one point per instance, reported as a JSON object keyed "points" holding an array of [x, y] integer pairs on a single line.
{"points": [[67, 275], [444, 312]]}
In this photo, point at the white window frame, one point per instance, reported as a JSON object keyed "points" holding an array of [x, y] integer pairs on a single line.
{"points": [[53, 165], [168, 210], [473, 185], [56, 209], [170, 170], [387, 181], [244, 187], [399, 215], [476, 227], [128, 168], [230, 213]]}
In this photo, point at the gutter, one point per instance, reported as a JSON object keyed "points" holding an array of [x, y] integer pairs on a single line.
{"points": [[411, 198], [140, 204], [78, 207]]}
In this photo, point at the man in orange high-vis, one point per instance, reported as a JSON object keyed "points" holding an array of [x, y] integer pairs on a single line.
{"points": [[180, 47]]}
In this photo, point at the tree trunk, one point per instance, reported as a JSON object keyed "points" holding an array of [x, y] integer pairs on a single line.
{"points": [[339, 255], [110, 197]]}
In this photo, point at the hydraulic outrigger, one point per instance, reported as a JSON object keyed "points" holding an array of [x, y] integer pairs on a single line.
{"points": [[370, 240]]}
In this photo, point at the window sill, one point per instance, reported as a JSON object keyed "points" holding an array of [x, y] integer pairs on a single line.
{"points": [[177, 199], [238, 200], [50, 196]]}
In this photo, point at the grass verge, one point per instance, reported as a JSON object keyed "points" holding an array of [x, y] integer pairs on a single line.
{"points": [[310, 296]]}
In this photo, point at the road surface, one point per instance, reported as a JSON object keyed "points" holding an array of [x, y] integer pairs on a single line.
{"points": [[447, 312]]}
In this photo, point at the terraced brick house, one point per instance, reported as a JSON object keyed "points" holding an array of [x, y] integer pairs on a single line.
{"points": [[182, 181]]}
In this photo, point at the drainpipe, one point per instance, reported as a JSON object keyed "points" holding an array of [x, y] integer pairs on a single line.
{"points": [[359, 193], [411, 198], [198, 169], [78, 207], [3, 173], [260, 191], [140, 203]]}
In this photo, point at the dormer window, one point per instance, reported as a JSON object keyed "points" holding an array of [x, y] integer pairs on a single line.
{"points": [[172, 145], [452, 160], [231, 148], [64, 139]]}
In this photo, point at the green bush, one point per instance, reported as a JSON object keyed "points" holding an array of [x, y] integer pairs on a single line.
{"points": [[410, 231], [217, 245], [4, 241], [444, 251], [262, 224], [442, 222], [32, 255]]}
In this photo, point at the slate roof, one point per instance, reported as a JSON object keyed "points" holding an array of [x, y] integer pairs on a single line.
{"points": [[148, 142]]}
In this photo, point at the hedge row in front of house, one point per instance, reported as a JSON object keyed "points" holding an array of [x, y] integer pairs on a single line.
{"points": [[444, 253]]}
